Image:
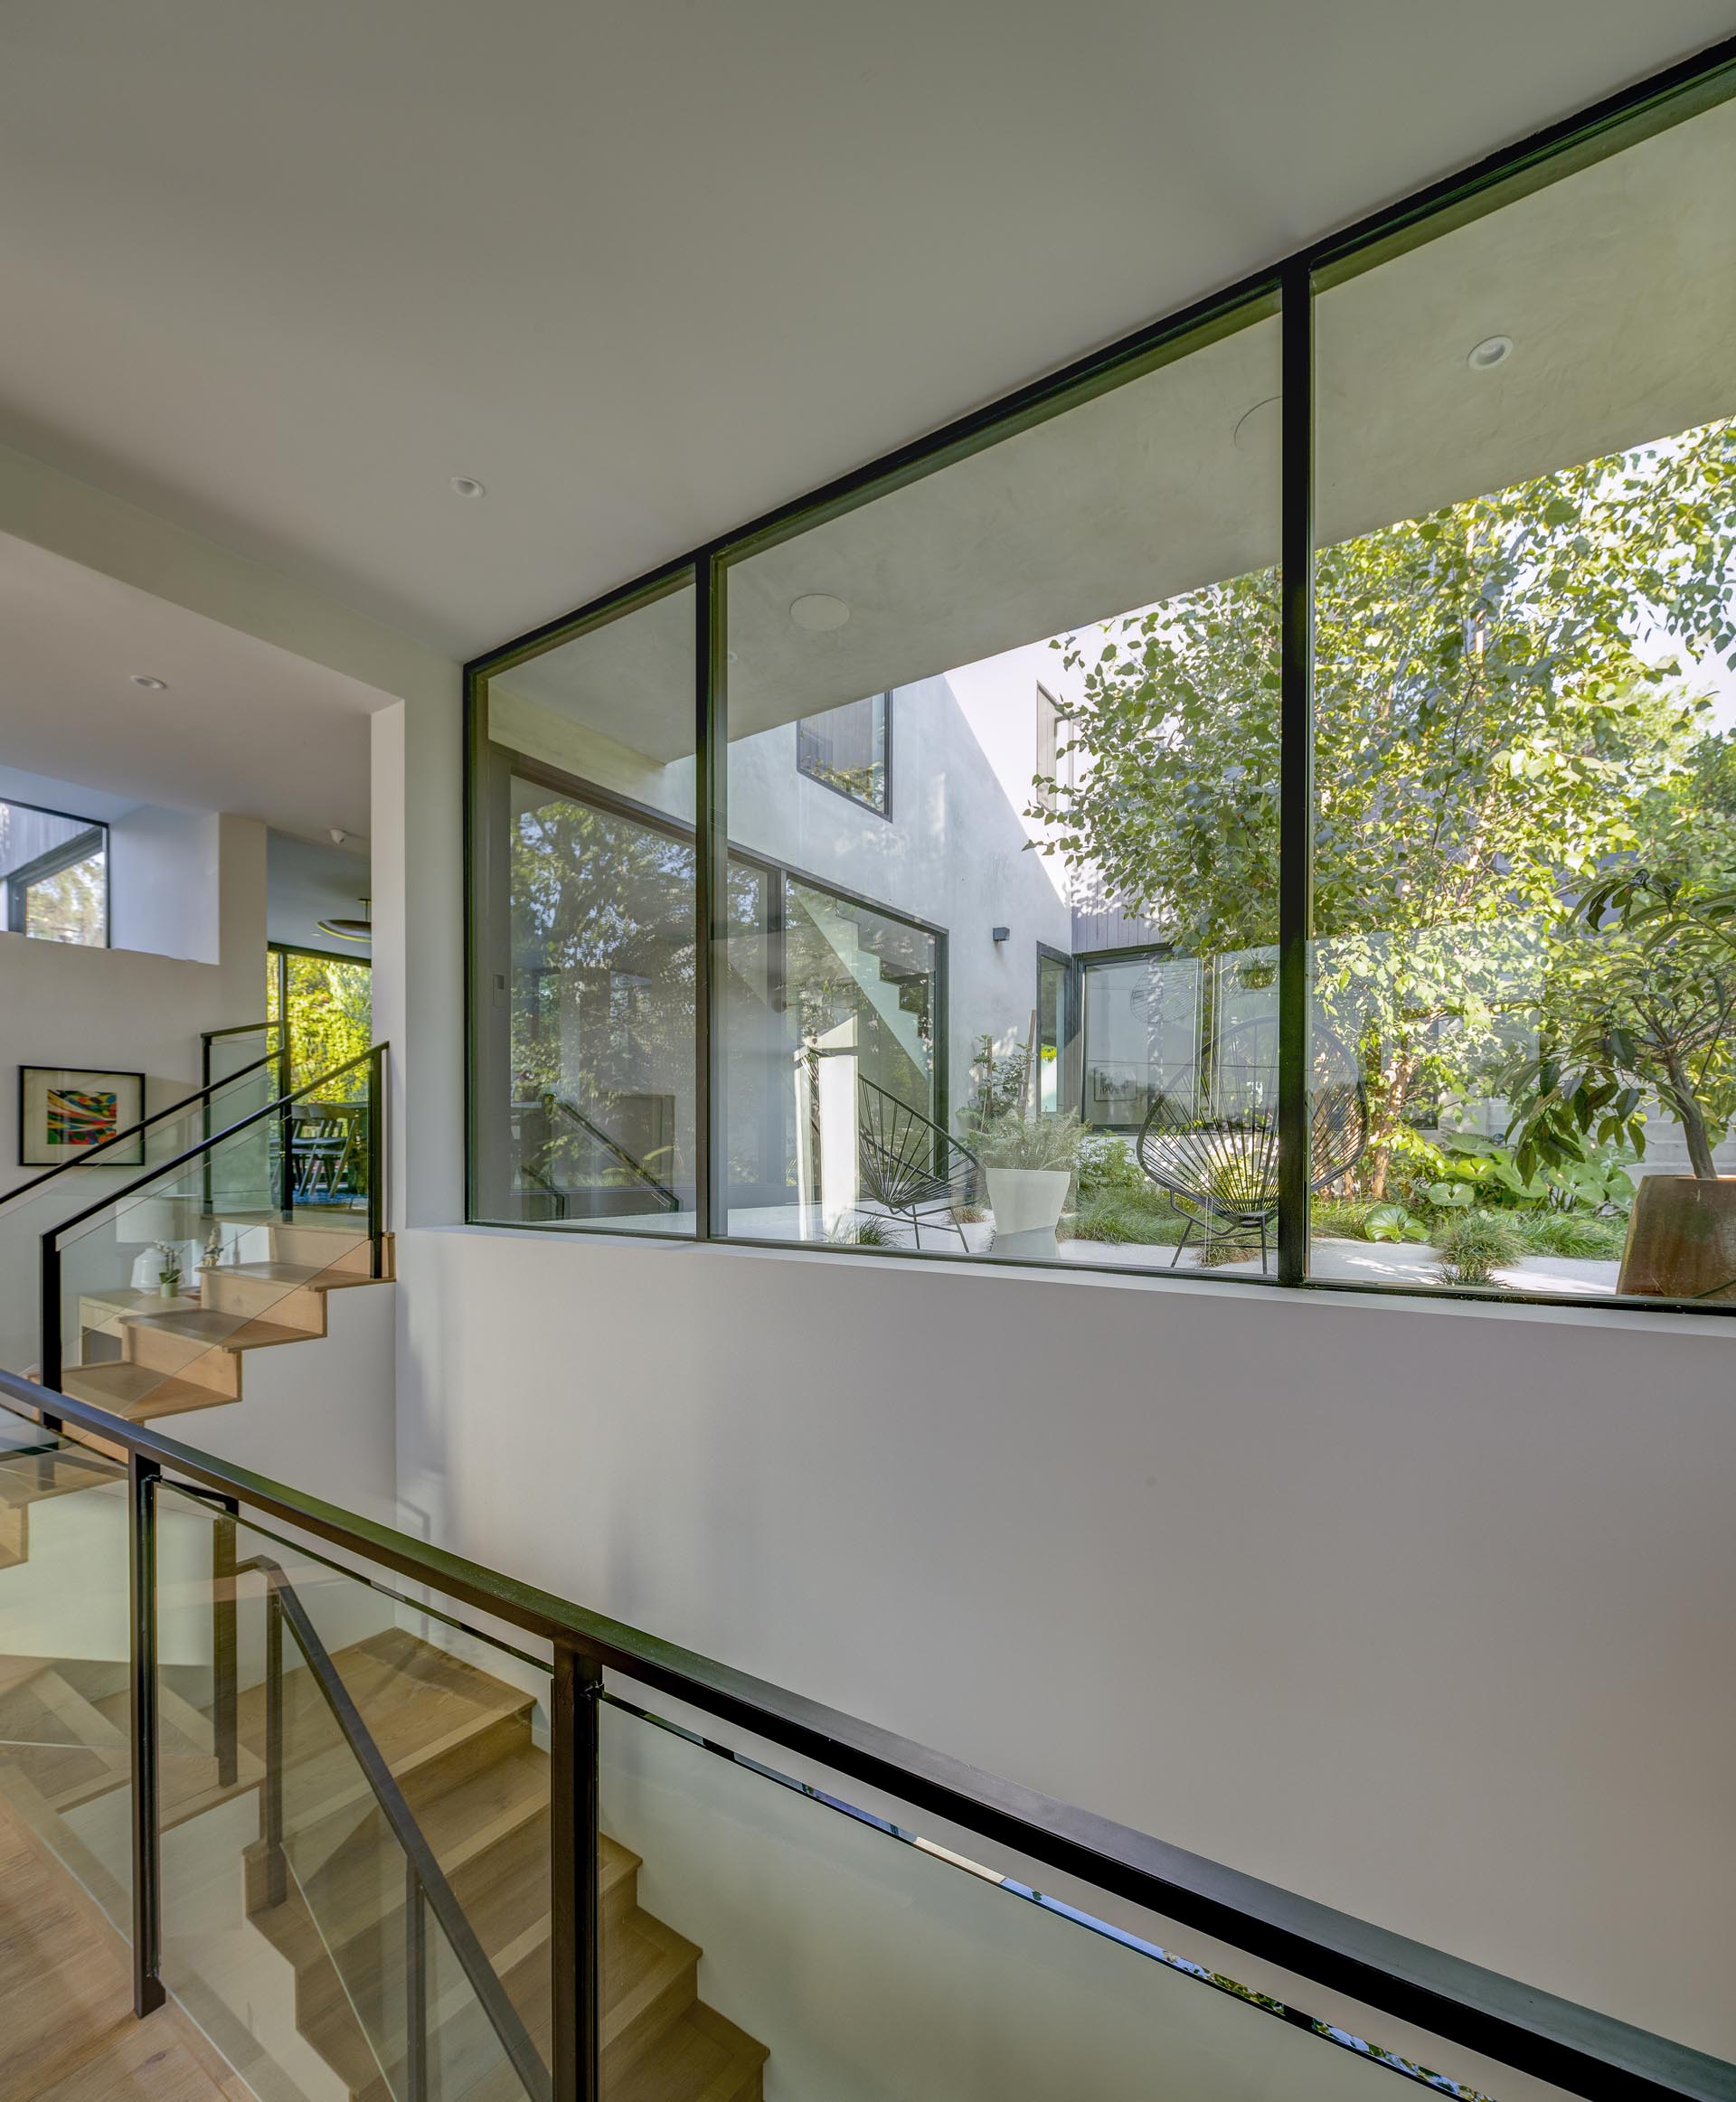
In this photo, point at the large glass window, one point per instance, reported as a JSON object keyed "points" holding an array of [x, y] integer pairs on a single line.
{"points": [[1077, 745], [1007, 983], [1525, 971], [54, 875], [583, 1045]]}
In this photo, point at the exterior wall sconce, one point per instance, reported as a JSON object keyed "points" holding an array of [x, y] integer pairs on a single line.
{"points": [[1000, 933]]}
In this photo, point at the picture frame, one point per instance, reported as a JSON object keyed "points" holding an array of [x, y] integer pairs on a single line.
{"points": [[64, 1111]]}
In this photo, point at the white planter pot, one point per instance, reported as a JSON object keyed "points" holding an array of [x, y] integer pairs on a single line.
{"points": [[1027, 1200]]}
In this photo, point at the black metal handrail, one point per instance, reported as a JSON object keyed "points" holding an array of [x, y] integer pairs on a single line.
{"points": [[659, 1189], [133, 1130], [50, 1354], [425, 1880], [1552, 2039]]}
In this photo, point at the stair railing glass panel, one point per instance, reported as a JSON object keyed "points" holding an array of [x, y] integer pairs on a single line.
{"points": [[366, 1899], [65, 1744], [667, 1869], [153, 1297], [27, 1212]]}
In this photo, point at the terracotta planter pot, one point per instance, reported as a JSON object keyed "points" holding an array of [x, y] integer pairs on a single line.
{"points": [[1681, 1239]]}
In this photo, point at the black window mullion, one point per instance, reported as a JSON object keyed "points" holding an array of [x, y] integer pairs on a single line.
{"points": [[1295, 789]]}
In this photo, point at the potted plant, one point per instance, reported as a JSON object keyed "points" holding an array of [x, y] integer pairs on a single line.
{"points": [[169, 1269], [1030, 1163], [1639, 1002]]}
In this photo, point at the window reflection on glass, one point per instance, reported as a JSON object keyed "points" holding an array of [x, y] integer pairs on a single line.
{"points": [[846, 749], [53, 876]]}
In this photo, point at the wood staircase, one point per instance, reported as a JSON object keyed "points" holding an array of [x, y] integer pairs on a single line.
{"points": [[141, 1356], [459, 1743]]}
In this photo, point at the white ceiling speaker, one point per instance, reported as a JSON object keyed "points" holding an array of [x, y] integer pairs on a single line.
{"points": [[818, 612], [1491, 351], [351, 930]]}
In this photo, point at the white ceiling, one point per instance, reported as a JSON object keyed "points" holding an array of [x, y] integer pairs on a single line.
{"points": [[279, 272], [241, 726]]}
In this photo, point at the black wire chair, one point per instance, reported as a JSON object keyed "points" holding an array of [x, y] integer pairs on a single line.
{"points": [[907, 1163], [1219, 1169]]}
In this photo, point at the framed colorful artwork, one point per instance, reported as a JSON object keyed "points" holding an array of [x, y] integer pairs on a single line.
{"points": [[63, 1111]]}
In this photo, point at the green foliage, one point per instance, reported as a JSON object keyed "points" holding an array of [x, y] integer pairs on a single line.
{"points": [[1474, 1245], [1641, 995], [1109, 1163], [1489, 736], [1127, 1216], [1572, 1233], [330, 1018], [868, 1231], [1474, 1170], [1391, 1222], [1012, 1141]]}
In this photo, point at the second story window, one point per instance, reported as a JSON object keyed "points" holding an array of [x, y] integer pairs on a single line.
{"points": [[54, 875], [850, 749]]}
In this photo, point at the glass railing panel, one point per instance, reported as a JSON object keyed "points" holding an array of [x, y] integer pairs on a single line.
{"points": [[363, 1881], [161, 1292], [745, 1915], [27, 1216], [65, 1759]]}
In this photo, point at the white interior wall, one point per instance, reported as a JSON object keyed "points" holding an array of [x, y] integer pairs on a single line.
{"points": [[1418, 1610], [166, 879], [117, 1010]]}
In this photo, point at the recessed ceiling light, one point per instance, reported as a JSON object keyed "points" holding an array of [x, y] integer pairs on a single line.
{"points": [[819, 611], [1485, 356], [468, 485], [150, 685]]}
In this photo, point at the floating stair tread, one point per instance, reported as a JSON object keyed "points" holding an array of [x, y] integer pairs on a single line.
{"points": [[137, 1393], [315, 1276], [214, 1331]]}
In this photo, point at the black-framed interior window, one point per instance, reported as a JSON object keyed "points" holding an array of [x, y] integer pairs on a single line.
{"points": [[1397, 819], [54, 875], [850, 749]]}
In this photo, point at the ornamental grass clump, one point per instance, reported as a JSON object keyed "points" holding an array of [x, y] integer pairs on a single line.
{"points": [[1475, 1245]]}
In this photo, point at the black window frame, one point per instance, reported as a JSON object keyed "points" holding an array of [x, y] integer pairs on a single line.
{"points": [[20, 881], [1287, 291]]}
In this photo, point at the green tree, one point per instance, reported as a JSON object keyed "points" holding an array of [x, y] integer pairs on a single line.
{"points": [[1495, 718]]}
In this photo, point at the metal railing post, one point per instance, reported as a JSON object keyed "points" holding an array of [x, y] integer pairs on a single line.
{"points": [[147, 1857], [377, 1158], [415, 1986], [277, 1882], [574, 1877], [224, 1696], [49, 1354]]}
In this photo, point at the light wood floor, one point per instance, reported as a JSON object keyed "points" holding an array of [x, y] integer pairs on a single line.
{"points": [[67, 2030]]}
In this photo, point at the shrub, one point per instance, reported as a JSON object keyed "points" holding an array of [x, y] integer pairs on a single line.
{"points": [[868, 1231], [1109, 1163], [1473, 1245]]}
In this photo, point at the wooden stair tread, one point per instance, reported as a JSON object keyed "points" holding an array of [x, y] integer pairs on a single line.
{"points": [[33, 1478], [136, 1391], [214, 1331], [702, 2057], [315, 1276]]}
